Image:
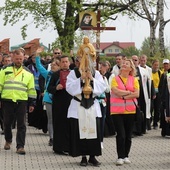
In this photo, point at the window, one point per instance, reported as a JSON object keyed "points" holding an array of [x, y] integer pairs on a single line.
{"points": [[117, 51], [110, 50]]}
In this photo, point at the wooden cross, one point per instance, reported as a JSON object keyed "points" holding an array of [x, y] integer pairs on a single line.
{"points": [[98, 28]]}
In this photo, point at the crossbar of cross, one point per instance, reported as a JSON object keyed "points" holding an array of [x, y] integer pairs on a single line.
{"points": [[98, 28]]}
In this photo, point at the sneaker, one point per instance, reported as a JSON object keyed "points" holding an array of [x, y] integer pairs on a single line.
{"points": [[102, 145], [7, 146], [93, 161], [65, 153], [61, 153], [50, 143], [155, 127], [83, 161], [119, 162], [126, 160], [20, 151]]}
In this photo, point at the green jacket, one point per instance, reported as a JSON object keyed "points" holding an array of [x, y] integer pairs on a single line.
{"points": [[16, 84]]}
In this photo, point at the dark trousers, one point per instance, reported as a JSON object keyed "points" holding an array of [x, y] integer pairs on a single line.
{"points": [[156, 109], [16, 110], [124, 126], [1, 119], [102, 121], [139, 118]]}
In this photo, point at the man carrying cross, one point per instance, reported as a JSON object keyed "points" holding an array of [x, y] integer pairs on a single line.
{"points": [[84, 112]]}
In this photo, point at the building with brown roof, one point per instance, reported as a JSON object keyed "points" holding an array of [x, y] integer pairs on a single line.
{"points": [[114, 48], [4, 46], [30, 47]]}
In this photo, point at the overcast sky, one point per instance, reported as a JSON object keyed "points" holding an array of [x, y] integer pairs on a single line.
{"points": [[126, 31]]}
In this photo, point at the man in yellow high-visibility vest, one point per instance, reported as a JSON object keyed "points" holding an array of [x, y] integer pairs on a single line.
{"points": [[16, 93]]}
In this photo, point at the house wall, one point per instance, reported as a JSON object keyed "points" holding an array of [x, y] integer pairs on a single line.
{"points": [[112, 50]]}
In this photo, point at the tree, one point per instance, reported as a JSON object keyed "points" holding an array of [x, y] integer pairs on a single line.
{"points": [[62, 15], [130, 51], [154, 13], [145, 10], [145, 48], [162, 24]]}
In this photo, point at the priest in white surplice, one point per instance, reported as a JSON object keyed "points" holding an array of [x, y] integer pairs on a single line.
{"points": [[144, 100], [84, 115]]}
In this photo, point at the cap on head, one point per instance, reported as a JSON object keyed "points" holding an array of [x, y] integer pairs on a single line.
{"points": [[166, 61]]}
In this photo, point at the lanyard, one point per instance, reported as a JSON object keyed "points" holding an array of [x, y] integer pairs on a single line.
{"points": [[15, 75]]}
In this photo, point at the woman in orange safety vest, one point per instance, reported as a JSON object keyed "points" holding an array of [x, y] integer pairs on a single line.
{"points": [[124, 91]]}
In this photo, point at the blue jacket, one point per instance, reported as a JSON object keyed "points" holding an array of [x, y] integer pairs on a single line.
{"points": [[47, 76]]}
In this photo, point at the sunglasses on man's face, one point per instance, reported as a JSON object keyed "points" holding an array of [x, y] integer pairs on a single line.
{"points": [[57, 53]]}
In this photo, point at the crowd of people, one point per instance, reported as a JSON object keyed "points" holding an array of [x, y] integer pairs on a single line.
{"points": [[78, 105]]}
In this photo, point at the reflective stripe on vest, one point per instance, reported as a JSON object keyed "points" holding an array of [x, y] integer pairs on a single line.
{"points": [[15, 82], [117, 104], [32, 96], [15, 88], [15, 85], [31, 93]]}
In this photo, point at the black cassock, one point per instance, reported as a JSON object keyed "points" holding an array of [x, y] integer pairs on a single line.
{"points": [[79, 146], [60, 103]]}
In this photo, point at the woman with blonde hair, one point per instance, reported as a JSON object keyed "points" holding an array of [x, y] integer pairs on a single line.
{"points": [[124, 91]]}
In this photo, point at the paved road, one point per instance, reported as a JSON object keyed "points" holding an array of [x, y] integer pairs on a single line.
{"points": [[150, 151]]}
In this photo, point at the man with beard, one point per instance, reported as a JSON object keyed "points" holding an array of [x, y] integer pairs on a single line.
{"points": [[16, 91]]}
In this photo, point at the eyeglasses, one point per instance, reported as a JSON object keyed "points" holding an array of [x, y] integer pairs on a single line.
{"points": [[55, 65], [57, 53]]}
